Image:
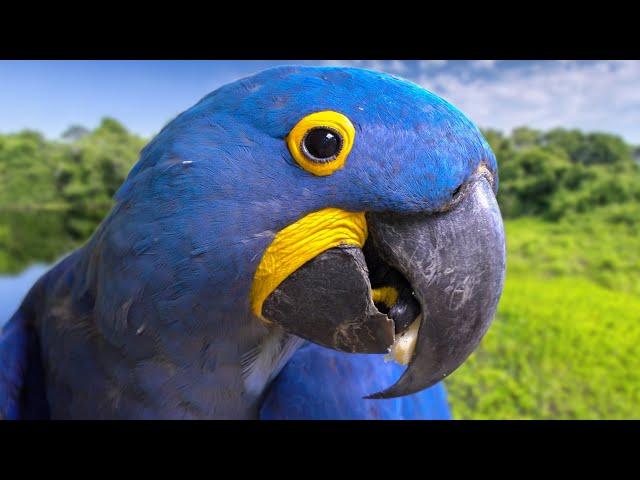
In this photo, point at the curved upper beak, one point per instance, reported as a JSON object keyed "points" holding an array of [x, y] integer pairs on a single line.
{"points": [[454, 264]]}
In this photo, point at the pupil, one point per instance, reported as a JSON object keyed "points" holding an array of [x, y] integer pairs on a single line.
{"points": [[322, 143]]}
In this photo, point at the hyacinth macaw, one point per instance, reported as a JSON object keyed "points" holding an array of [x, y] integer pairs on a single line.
{"points": [[270, 246]]}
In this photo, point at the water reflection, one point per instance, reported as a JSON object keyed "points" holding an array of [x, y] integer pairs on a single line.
{"points": [[32, 241], [29, 237], [13, 288]]}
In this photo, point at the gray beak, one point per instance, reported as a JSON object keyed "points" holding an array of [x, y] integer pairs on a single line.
{"points": [[448, 267], [455, 263]]}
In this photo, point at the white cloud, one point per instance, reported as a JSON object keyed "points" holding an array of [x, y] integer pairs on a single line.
{"points": [[428, 65], [483, 64], [398, 67], [601, 96]]}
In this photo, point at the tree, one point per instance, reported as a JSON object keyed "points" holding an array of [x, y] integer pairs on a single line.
{"points": [[75, 133]]}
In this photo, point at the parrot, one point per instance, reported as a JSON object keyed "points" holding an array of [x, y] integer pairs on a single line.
{"points": [[305, 243]]}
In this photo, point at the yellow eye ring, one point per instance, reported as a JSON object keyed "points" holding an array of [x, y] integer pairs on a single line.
{"points": [[333, 124]]}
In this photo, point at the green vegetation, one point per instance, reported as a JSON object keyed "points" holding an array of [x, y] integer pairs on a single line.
{"points": [[566, 339], [82, 172], [560, 172], [54, 193], [35, 236]]}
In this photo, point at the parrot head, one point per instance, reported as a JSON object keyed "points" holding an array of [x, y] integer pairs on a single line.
{"points": [[350, 208]]}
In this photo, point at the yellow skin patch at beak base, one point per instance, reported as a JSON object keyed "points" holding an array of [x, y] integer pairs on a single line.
{"points": [[385, 295], [301, 241]]}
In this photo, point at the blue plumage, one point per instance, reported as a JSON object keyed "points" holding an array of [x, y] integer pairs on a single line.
{"points": [[151, 318], [322, 384], [22, 393]]}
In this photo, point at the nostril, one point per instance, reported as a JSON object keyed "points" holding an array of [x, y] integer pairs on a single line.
{"points": [[456, 196]]}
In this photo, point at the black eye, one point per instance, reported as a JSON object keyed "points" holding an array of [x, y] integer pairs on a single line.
{"points": [[322, 144]]}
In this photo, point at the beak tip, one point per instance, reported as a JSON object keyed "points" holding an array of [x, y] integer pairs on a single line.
{"points": [[461, 290], [375, 396]]}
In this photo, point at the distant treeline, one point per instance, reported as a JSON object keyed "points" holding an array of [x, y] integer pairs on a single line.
{"points": [[558, 172], [82, 171], [547, 174]]}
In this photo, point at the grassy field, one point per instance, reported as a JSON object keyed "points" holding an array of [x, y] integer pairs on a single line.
{"points": [[566, 341]]}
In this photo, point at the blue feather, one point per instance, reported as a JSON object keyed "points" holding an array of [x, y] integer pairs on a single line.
{"points": [[22, 392], [322, 384]]}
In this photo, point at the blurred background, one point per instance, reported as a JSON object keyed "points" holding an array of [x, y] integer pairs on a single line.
{"points": [[566, 340]]}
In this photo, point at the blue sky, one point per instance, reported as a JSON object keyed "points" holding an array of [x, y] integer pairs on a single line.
{"points": [[144, 95]]}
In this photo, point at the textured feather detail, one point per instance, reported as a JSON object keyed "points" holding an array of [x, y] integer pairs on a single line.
{"points": [[22, 394], [262, 363]]}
